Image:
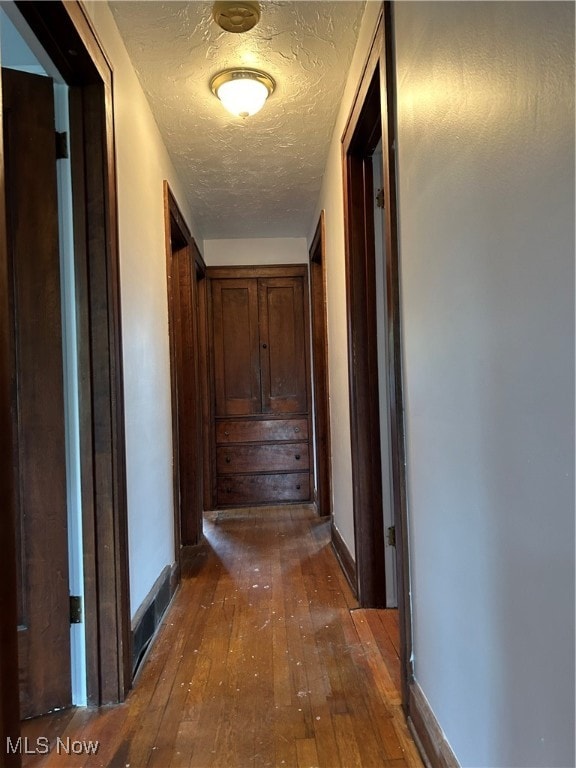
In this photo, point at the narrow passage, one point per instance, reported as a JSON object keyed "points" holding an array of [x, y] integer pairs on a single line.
{"points": [[262, 660]]}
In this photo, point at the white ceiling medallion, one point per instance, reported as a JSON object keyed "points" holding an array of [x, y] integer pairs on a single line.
{"points": [[236, 16], [242, 91]]}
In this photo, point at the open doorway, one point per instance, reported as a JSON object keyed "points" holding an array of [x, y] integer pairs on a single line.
{"points": [[89, 360], [374, 338]]}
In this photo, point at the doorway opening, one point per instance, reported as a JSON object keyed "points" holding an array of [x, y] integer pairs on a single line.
{"points": [[92, 412], [374, 337]]}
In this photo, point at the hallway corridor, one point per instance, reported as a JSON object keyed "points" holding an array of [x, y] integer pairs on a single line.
{"points": [[261, 661]]}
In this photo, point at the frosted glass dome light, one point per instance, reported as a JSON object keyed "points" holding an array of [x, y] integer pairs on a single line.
{"points": [[243, 92]]}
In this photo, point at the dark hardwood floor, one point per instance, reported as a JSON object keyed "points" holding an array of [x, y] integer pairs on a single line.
{"points": [[263, 659]]}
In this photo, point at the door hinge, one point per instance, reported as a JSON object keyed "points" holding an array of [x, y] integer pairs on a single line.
{"points": [[410, 671], [380, 198], [76, 609], [61, 145], [392, 536]]}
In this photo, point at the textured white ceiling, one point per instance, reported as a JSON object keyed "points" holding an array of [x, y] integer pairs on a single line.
{"points": [[259, 176]]}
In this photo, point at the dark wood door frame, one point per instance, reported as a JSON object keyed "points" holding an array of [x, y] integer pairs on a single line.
{"points": [[65, 32], [205, 373], [373, 117], [320, 380], [185, 271], [362, 136]]}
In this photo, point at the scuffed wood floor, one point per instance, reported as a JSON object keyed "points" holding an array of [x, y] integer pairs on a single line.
{"points": [[262, 660]]}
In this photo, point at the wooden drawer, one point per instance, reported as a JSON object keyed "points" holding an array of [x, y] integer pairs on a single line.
{"points": [[271, 457], [263, 489], [261, 431]]}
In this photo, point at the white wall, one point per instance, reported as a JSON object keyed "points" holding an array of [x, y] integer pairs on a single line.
{"points": [[332, 201], [256, 251], [142, 165], [486, 207]]}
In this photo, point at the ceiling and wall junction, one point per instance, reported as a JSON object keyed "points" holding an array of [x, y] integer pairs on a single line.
{"points": [[259, 176]]}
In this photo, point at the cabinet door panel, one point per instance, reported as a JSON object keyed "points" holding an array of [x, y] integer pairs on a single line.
{"points": [[282, 345], [236, 354]]}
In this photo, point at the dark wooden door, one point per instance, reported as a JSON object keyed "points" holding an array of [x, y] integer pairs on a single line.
{"points": [[184, 275], [282, 344], [188, 402], [38, 401], [236, 347]]}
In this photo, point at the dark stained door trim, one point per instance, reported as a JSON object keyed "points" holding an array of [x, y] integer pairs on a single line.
{"points": [[65, 32], [320, 381], [196, 536], [205, 375], [373, 117], [184, 269]]}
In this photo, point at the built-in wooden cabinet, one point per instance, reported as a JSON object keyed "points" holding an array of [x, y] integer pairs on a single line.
{"points": [[259, 331]]}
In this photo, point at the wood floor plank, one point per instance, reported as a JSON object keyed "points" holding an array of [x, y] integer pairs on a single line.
{"points": [[289, 728], [306, 753], [262, 661], [384, 627], [390, 621], [347, 744], [388, 688], [183, 745], [326, 744]]}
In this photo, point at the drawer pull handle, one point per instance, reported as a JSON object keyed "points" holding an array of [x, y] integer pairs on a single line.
{"points": [[296, 429], [264, 346], [297, 457], [226, 433], [298, 487], [228, 459]]}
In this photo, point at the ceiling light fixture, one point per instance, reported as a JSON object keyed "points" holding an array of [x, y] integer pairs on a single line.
{"points": [[242, 91], [240, 16]]}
